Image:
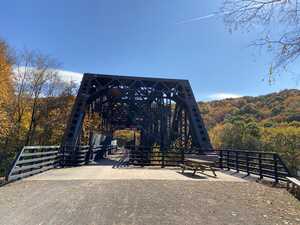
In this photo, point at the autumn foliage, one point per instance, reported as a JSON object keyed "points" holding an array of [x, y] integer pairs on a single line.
{"points": [[6, 91], [34, 102], [265, 123]]}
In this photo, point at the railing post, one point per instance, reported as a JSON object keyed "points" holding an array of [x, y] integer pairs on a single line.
{"points": [[163, 158], [283, 165], [275, 168], [143, 157], [228, 168], [247, 163], [260, 166], [237, 161], [221, 159], [88, 154], [182, 155], [61, 155]]}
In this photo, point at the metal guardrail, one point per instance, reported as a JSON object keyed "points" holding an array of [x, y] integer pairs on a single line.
{"points": [[84, 154], [36, 159], [263, 164], [164, 159], [81, 156], [143, 156], [32, 160]]}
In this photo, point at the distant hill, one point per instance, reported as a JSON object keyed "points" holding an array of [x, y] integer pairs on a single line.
{"points": [[264, 123], [274, 108]]}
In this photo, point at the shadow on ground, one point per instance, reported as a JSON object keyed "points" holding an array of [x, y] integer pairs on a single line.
{"points": [[191, 175]]}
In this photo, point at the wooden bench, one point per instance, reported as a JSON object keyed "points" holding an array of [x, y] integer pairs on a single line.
{"points": [[293, 185], [198, 165]]}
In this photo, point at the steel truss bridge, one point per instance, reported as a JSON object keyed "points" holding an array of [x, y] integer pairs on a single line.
{"points": [[163, 111]]}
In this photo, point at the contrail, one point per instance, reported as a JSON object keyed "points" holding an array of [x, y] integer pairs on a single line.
{"points": [[244, 8], [222, 13], [199, 18], [203, 17]]}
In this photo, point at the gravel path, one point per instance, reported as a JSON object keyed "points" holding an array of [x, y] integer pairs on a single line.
{"points": [[143, 202]]}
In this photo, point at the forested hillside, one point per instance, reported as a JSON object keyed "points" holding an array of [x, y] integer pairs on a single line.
{"points": [[268, 109], [270, 123]]}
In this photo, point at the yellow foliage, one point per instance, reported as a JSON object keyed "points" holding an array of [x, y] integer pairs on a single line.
{"points": [[6, 93], [215, 135]]}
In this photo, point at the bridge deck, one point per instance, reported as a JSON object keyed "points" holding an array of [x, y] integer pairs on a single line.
{"points": [[129, 173], [102, 195]]}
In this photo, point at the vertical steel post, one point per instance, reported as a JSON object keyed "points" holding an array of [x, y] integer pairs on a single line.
{"points": [[275, 168], [237, 161], [260, 166], [247, 163], [221, 159], [227, 160]]}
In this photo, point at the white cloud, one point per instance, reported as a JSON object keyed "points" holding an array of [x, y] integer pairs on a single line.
{"points": [[220, 96], [70, 76], [63, 74]]}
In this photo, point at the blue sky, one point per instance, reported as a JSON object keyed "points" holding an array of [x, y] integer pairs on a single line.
{"points": [[144, 38]]}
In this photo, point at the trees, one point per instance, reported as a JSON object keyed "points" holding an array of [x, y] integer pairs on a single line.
{"points": [[239, 135], [284, 140], [34, 102], [278, 21], [6, 98], [265, 123], [42, 101], [6, 90], [39, 78]]}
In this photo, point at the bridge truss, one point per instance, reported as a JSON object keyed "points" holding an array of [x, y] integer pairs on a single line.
{"points": [[163, 111]]}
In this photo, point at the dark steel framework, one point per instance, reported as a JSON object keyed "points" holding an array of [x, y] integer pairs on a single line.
{"points": [[164, 111]]}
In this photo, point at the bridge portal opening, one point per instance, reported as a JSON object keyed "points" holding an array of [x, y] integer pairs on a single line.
{"points": [[127, 137], [162, 114]]}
